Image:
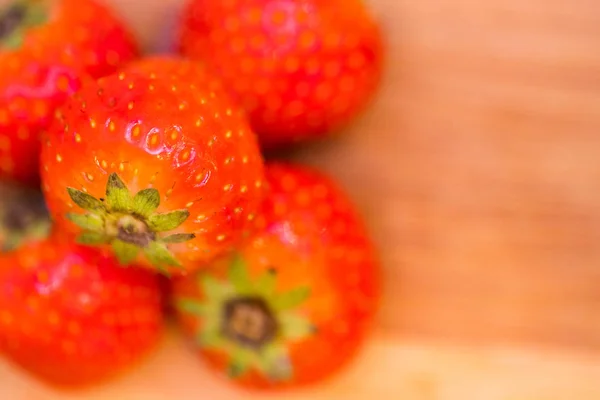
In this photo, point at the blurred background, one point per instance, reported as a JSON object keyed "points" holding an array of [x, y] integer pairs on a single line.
{"points": [[478, 169]]}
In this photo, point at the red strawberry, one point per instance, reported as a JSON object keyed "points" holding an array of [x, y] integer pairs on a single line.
{"points": [[296, 302], [23, 216], [71, 316], [157, 163], [301, 68], [45, 48]]}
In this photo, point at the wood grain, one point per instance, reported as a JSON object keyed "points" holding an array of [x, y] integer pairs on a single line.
{"points": [[477, 171], [389, 369]]}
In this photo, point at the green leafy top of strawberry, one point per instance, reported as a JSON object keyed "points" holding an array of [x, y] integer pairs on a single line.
{"points": [[250, 321], [23, 218], [17, 18], [129, 223]]}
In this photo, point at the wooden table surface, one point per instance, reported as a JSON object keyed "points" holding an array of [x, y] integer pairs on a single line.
{"points": [[477, 170]]}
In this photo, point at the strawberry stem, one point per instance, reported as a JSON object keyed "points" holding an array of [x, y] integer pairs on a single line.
{"points": [[131, 230], [23, 217], [129, 223], [17, 18], [248, 319]]}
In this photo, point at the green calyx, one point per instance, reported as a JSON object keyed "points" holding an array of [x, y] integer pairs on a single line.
{"points": [[23, 218], [17, 18], [129, 223], [250, 321]]}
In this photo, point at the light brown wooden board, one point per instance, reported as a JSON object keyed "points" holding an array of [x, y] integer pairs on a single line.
{"points": [[478, 169]]}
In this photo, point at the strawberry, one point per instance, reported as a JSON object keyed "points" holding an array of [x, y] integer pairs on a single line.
{"points": [[23, 216], [301, 68], [70, 316], [156, 163], [46, 48], [294, 304]]}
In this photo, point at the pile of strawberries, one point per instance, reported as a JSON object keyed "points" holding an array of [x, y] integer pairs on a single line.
{"points": [[157, 198]]}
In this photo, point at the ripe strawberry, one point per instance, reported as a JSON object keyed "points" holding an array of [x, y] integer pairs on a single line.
{"points": [[296, 302], [156, 162], [301, 68], [23, 216], [46, 47], [71, 316]]}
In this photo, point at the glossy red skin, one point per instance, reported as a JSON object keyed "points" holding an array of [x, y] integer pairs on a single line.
{"points": [[302, 69], [217, 166], [81, 38], [312, 234], [71, 317]]}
